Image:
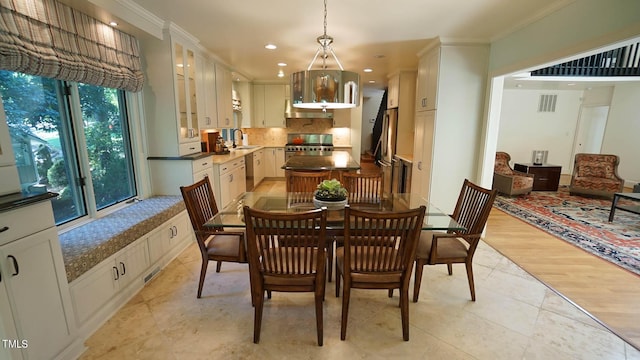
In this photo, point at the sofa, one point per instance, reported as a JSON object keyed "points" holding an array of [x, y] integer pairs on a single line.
{"points": [[596, 175], [508, 181]]}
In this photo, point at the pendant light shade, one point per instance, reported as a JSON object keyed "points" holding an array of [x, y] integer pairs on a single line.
{"points": [[325, 88]]}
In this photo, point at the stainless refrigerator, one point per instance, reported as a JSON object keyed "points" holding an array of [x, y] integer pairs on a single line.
{"points": [[388, 147]]}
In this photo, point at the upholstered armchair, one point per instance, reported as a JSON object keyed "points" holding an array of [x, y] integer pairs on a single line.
{"points": [[596, 175], [508, 181]]}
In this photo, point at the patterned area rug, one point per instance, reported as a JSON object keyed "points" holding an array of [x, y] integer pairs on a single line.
{"points": [[581, 221]]}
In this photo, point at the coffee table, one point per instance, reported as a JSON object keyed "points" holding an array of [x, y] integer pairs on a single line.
{"points": [[630, 208]]}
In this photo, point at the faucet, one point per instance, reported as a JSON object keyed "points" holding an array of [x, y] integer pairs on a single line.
{"points": [[234, 137]]}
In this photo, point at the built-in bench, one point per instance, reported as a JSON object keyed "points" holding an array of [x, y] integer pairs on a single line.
{"points": [[88, 245]]}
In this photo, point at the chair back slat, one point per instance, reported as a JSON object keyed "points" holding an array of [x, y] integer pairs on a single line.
{"points": [[200, 203], [363, 188], [382, 242], [285, 243], [473, 207], [301, 185]]}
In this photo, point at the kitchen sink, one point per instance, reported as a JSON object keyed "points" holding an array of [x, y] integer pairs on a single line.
{"points": [[245, 147]]}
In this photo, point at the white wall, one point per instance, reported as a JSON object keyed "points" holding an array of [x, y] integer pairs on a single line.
{"points": [[524, 129], [622, 135]]}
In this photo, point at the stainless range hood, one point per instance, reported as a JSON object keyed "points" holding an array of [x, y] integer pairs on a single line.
{"points": [[291, 112]]}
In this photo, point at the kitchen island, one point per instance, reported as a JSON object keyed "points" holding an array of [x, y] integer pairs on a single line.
{"points": [[337, 162]]}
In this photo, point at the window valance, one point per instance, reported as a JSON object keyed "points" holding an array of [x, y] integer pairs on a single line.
{"points": [[50, 39]]}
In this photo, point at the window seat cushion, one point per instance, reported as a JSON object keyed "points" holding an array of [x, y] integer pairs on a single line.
{"points": [[86, 246]]}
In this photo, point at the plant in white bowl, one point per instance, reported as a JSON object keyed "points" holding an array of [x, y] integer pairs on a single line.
{"points": [[330, 194]]}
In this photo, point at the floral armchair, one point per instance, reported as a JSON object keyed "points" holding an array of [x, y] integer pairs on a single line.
{"points": [[508, 181], [596, 174]]}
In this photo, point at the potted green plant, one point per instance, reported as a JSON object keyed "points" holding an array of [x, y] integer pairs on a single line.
{"points": [[330, 194]]}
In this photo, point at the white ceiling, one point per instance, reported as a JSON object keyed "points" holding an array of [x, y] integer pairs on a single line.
{"points": [[378, 34]]}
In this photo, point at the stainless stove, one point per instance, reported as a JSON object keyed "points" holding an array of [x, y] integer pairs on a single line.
{"points": [[308, 144]]}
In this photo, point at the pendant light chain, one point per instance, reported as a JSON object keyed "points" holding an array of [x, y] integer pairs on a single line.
{"points": [[324, 43]]}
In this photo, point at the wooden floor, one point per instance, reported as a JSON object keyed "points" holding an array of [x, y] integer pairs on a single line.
{"points": [[608, 293]]}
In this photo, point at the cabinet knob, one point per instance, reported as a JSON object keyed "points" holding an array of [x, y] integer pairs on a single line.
{"points": [[419, 165], [3, 229], [124, 269], [116, 273]]}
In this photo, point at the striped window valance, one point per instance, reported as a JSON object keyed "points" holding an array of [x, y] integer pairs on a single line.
{"points": [[50, 39]]}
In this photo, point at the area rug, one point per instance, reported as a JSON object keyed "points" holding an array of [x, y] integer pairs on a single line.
{"points": [[581, 221]]}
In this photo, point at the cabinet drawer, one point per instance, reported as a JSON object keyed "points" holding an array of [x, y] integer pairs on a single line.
{"points": [[189, 148], [202, 164], [25, 221], [201, 175]]}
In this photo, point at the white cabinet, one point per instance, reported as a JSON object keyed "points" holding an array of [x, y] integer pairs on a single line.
{"points": [[393, 91], [423, 144], [168, 175], [258, 166], [224, 91], [455, 71], [208, 109], [231, 182], [92, 292], [406, 95], [35, 304], [273, 162], [268, 105], [427, 83], [168, 235], [171, 94], [342, 118]]}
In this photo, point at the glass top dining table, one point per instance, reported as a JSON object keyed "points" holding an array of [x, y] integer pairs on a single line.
{"points": [[232, 215]]}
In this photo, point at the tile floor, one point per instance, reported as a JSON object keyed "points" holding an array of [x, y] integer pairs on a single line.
{"points": [[514, 317]]}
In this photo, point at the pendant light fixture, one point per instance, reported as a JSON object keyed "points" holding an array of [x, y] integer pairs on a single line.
{"points": [[324, 88]]}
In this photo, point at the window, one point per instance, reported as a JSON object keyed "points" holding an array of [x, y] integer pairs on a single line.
{"points": [[71, 139]]}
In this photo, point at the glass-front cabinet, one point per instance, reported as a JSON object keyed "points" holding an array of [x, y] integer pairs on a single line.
{"points": [[172, 93], [185, 70]]}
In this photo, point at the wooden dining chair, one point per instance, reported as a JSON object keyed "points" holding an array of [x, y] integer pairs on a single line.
{"points": [[378, 253], [453, 247], [301, 185], [295, 265], [215, 244], [363, 188]]}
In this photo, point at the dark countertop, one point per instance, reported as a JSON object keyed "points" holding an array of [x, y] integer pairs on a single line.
{"points": [[338, 160], [16, 200]]}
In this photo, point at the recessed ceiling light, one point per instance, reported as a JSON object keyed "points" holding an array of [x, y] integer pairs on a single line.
{"points": [[280, 73], [372, 81], [113, 23], [367, 70], [571, 84], [282, 64], [270, 47]]}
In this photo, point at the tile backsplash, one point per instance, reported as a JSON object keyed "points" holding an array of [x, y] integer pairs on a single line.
{"points": [[278, 136]]}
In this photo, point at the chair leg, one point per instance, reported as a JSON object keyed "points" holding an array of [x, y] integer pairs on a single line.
{"points": [[346, 294], [450, 268], [404, 311], [203, 273], [268, 294], [257, 318], [420, 263], [472, 287], [218, 266], [330, 258], [338, 278], [319, 318]]}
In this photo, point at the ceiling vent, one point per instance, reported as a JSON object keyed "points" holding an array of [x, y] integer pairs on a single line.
{"points": [[547, 103]]}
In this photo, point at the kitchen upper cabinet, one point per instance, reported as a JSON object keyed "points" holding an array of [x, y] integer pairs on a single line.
{"points": [[171, 94], [393, 91], [208, 109], [342, 118], [406, 95], [268, 105], [427, 83], [224, 92], [35, 303], [273, 162]]}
